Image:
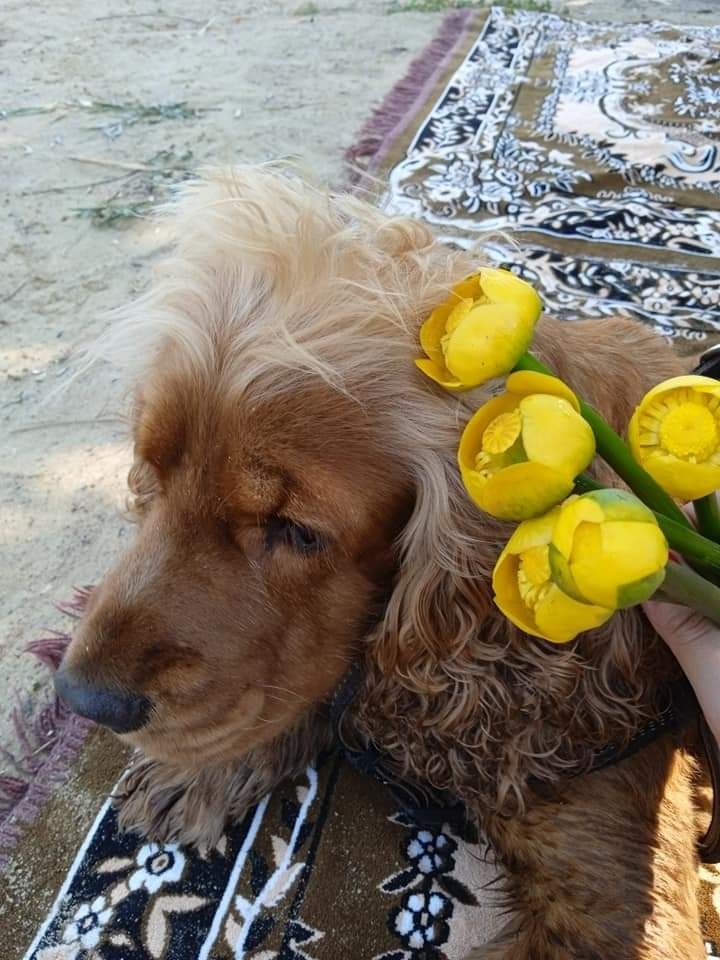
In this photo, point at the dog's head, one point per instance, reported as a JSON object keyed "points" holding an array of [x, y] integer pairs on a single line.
{"points": [[280, 429]]}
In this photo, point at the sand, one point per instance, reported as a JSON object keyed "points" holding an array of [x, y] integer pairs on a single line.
{"points": [[261, 80]]}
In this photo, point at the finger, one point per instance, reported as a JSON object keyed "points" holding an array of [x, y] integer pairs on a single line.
{"points": [[689, 510], [676, 623]]}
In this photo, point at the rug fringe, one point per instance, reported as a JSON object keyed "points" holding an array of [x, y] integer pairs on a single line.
{"points": [[50, 649], [386, 121], [76, 605], [49, 742]]}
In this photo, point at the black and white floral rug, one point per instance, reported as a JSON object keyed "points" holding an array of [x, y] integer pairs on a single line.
{"points": [[588, 156], [308, 873]]}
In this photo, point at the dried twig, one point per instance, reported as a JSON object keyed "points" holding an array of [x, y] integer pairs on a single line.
{"points": [[99, 162], [13, 293], [67, 423], [166, 16], [291, 106], [78, 186]]}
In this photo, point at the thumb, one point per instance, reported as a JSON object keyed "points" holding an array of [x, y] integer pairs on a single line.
{"points": [[677, 624]]}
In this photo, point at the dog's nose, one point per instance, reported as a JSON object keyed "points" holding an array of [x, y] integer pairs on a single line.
{"points": [[116, 709]]}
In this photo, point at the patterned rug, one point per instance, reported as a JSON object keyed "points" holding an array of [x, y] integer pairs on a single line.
{"points": [[595, 148], [584, 155]]}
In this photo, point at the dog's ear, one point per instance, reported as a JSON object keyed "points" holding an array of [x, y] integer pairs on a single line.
{"points": [[142, 483], [142, 479], [442, 594]]}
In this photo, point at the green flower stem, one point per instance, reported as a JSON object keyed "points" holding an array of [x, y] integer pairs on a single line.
{"points": [[696, 549], [707, 513], [615, 452], [684, 586]]}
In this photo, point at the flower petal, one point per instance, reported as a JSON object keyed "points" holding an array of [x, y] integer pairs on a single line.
{"points": [[686, 481], [488, 342], [689, 382], [507, 594], [468, 288], [502, 286], [532, 533], [562, 575], [555, 434], [576, 511], [615, 554], [630, 594], [525, 382], [560, 619], [520, 491], [621, 505], [433, 330], [439, 374], [471, 439]]}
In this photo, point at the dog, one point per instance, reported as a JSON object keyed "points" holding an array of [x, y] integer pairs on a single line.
{"points": [[300, 509]]}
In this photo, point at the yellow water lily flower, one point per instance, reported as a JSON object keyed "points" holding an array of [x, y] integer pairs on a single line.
{"points": [[481, 331], [675, 435], [520, 453], [571, 569]]}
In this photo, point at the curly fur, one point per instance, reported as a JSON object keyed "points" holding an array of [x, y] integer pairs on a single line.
{"points": [[289, 302]]}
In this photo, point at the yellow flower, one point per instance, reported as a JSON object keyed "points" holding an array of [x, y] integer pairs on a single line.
{"points": [[675, 435], [481, 331], [520, 453], [571, 569]]}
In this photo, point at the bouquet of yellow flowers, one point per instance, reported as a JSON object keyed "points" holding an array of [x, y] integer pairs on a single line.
{"points": [[580, 552]]}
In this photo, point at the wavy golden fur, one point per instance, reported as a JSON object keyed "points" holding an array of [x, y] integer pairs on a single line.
{"points": [[283, 330]]}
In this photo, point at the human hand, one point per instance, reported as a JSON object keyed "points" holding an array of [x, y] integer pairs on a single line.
{"points": [[695, 642], [679, 625]]}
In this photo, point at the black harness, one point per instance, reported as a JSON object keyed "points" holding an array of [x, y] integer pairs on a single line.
{"points": [[422, 804], [430, 808]]}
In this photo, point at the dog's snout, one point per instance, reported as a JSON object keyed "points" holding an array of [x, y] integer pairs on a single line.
{"points": [[119, 710]]}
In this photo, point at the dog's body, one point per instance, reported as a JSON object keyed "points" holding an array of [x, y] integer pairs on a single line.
{"points": [[300, 508]]}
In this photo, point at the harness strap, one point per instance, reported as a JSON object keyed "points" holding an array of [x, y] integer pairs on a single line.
{"points": [[423, 805], [430, 808], [681, 709]]}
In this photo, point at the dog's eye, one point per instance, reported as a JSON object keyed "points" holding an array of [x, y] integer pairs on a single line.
{"points": [[281, 531]]}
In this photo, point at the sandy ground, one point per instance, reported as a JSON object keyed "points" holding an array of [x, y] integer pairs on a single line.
{"points": [[261, 80]]}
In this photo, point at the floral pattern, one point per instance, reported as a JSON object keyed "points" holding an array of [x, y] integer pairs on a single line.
{"points": [[157, 864], [266, 892], [87, 923], [153, 901], [421, 920], [430, 852], [432, 889], [595, 147]]}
